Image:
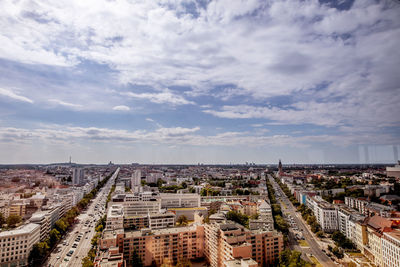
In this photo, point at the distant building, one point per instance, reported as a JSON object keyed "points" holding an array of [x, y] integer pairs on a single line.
{"points": [[393, 171], [78, 175]]}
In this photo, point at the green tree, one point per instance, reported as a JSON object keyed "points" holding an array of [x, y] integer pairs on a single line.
{"points": [[13, 220], [38, 253], [61, 225], [182, 220], [87, 262], [292, 259], [238, 217], [54, 236]]}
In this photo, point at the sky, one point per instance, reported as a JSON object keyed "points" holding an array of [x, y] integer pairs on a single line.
{"points": [[199, 81]]}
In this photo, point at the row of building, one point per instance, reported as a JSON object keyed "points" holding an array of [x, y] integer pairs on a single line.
{"points": [[372, 227], [143, 223], [40, 212]]}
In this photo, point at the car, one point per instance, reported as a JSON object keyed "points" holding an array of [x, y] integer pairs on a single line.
{"points": [[58, 257], [66, 259]]}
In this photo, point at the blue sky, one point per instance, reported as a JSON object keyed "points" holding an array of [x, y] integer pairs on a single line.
{"points": [[184, 81]]}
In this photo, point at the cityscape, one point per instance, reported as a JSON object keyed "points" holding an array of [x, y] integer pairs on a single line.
{"points": [[68, 214], [199, 133]]}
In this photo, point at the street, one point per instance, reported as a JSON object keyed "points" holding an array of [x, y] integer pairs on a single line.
{"points": [[77, 243], [314, 248]]}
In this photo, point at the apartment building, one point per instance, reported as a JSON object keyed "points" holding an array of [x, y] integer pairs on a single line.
{"points": [[343, 217], [165, 245], [324, 212], [356, 203], [391, 249], [42, 218], [228, 241], [15, 245]]}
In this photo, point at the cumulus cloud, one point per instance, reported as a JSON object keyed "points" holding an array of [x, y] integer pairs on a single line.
{"points": [[121, 108], [338, 67], [15, 96], [163, 97]]}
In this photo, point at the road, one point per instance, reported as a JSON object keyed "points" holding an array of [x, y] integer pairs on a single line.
{"points": [[84, 228], [288, 208]]}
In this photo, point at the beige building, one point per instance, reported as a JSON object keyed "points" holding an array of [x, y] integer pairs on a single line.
{"points": [[391, 249], [18, 209], [165, 245], [229, 241], [15, 245]]}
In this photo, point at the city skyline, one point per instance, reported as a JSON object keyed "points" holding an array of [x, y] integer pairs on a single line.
{"points": [[214, 82]]}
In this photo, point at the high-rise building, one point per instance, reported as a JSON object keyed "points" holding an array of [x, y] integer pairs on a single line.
{"points": [[136, 179], [78, 175]]}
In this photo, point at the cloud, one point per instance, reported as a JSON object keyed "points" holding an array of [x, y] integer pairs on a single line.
{"points": [[149, 119], [178, 131], [58, 134], [163, 97], [11, 94], [121, 108], [66, 104]]}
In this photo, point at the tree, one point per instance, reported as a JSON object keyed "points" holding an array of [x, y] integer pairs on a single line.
{"points": [[2, 219], [136, 260], [38, 253], [87, 262], [99, 228], [54, 236], [182, 220], [281, 224], [61, 226], [13, 220], [238, 217], [292, 258], [319, 234], [160, 182]]}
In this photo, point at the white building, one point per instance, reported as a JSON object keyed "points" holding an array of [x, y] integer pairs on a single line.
{"points": [[138, 203], [180, 200], [136, 179], [115, 217], [391, 249], [15, 245], [43, 219], [324, 212]]}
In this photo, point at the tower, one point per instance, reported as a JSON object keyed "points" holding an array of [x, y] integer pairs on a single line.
{"points": [[280, 168]]}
